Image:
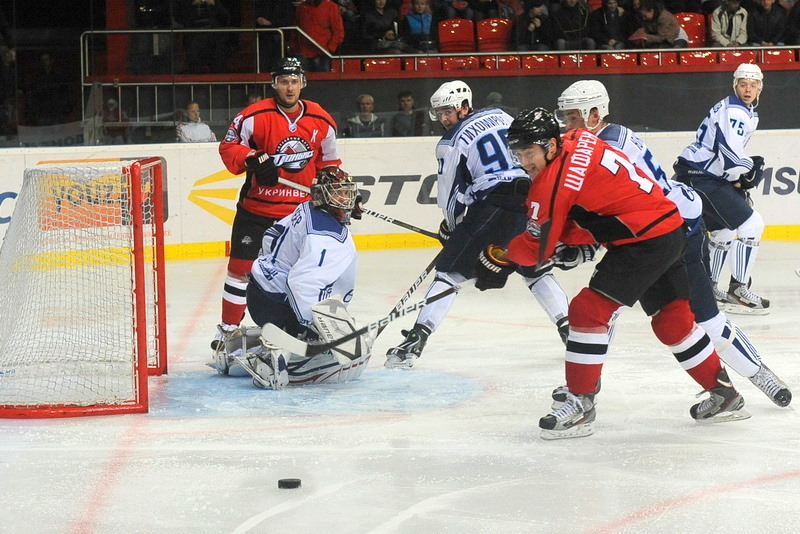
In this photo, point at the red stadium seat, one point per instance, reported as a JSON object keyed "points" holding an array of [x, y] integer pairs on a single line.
{"points": [[618, 59], [698, 58], [653, 59], [540, 61], [494, 35], [460, 63], [500, 62], [578, 60], [737, 56], [694, 24], [422, 64], [456, 35], [383, 64], [778, 56], [346, 65]]}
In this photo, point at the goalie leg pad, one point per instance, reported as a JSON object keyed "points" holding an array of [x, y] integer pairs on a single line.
{"points": [[333, 321], [268, 368]]}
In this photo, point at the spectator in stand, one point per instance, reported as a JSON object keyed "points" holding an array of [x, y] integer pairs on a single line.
{"points": [[365, 123], [510, 9], [608, 26], [660, 28], [353, 43], [495, 100], [729, 25], [116, 124], [192, 129], [533, 30], [48, 94], [409, 121], [6, 39], [571, 27], [418, 29], [458, 9], [380, 30], [205, 51], [9, 92], [151, 53], [271, 14], [793, 25], [484, 9], [253, 97], [321, 20], [766, 24]]}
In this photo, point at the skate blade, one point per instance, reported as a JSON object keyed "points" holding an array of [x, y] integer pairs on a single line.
{"points": [[252, 372], [577, 431], [738, 309], [726, 417]]}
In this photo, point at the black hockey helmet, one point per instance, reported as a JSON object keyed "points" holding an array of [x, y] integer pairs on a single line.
{"points": [[533, 127], [289, 66], [334, 191]]}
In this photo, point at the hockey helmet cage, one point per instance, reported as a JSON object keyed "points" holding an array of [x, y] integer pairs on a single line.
{"points": [[290, 66], [584, 96], [533, 127], [748, 71], [334, 188], [450, 94]]}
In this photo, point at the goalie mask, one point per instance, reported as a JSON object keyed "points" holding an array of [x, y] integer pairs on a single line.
{"points": [[453, 94], [334, 191], [289, 66], [584, 96]]}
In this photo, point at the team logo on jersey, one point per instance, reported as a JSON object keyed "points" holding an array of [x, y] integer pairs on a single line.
{"points": [[293, 154]]}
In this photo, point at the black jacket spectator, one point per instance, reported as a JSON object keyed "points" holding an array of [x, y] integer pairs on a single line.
{"points": [[378, 23], [205, 51], [533, 29], [608, 26], [766, 25], [572, 26]]}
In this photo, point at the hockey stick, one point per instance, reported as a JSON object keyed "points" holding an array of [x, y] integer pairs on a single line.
{"points": [[411, 289], [375, 214], [274, 335]]}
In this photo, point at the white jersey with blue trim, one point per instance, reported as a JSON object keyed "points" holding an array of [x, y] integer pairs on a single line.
{"points": [[306, 257], [718, 149], [630, 144], [473, 159]]}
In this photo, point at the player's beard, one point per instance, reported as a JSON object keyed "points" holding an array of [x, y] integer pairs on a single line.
{"points": [[286, 105]]}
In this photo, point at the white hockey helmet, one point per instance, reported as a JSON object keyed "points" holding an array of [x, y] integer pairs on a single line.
{"points": [[748, 71], [450, 94], [584, 96]]}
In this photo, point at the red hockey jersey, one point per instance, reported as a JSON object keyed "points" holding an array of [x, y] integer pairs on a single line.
{"points": [[591, 193], [299, 146]]}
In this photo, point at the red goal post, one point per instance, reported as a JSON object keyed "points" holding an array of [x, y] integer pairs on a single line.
{"points": [[84, 309]]}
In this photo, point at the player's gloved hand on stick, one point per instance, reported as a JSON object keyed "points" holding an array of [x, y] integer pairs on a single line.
{"points": [[444, 232], [753, 177], [358, 210], [491, 271], [262, 166], [567, 257]]}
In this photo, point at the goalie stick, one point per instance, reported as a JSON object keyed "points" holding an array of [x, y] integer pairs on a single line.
{"points": [[273, 335], [375, 214]]}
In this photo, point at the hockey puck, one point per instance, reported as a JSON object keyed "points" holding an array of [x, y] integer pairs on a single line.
{"points": [[289, 483]]}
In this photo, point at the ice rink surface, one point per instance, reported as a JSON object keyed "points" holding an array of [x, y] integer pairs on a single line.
{"points": [[450, 446]]}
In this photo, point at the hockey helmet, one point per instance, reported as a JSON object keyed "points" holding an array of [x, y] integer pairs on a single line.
{"points": [[748, 71], [290, 66], [533, 127], [584, 96], [450, 94], [335, 191]]}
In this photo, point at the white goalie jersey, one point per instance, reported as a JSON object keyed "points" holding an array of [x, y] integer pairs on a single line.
{"points": [[473, 159]]}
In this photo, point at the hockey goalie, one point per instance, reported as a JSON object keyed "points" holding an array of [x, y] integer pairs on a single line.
{"points": [[305, 258]]}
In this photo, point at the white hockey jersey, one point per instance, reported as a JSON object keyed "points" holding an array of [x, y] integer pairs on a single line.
{"points": [[473, 159], [630, 144], [306, 257], [718, 149]]}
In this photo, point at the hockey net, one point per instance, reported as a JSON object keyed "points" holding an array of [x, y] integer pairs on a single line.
{"points": [[83, 306]]}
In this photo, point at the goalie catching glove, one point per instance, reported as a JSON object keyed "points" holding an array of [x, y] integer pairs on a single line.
{"points": [[567, 257], [491, 272], [753, 177], [260, 163]]}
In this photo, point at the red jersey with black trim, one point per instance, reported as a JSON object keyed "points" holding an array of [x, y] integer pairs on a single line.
{"points": [[299, 144], [591, 193]]}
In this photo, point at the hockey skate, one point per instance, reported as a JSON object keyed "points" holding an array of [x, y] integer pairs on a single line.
{"points": [[562, 325], [406, 353], [268, 368], [574, 419], [742, 301], [719, 295], [559, 396], [772, 386], [724, 404], [242, 340], [224, 331]]}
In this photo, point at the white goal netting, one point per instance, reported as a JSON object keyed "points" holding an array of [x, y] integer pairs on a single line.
{"points": [[70, 335]]}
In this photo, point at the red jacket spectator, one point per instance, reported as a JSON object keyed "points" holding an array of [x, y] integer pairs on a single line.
{"points": [[321, 20]]}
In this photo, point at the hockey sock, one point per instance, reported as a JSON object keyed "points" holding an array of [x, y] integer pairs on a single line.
{"points": [[743, 256], [234, 300], [732, 345], [587, 345], [432, 315], [550, 296], [719, 244]]}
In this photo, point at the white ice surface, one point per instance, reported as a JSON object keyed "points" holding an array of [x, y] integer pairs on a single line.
{"points": [[450, 446]]}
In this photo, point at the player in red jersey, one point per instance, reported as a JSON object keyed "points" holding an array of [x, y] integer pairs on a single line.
{"points": [[285, 137], [585, 192]]}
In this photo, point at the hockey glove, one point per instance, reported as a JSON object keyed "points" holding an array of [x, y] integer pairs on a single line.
{"points": [[358, 210], [491, 272], [444, 232], [568, 257], [753, 177], [265, 171]]}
